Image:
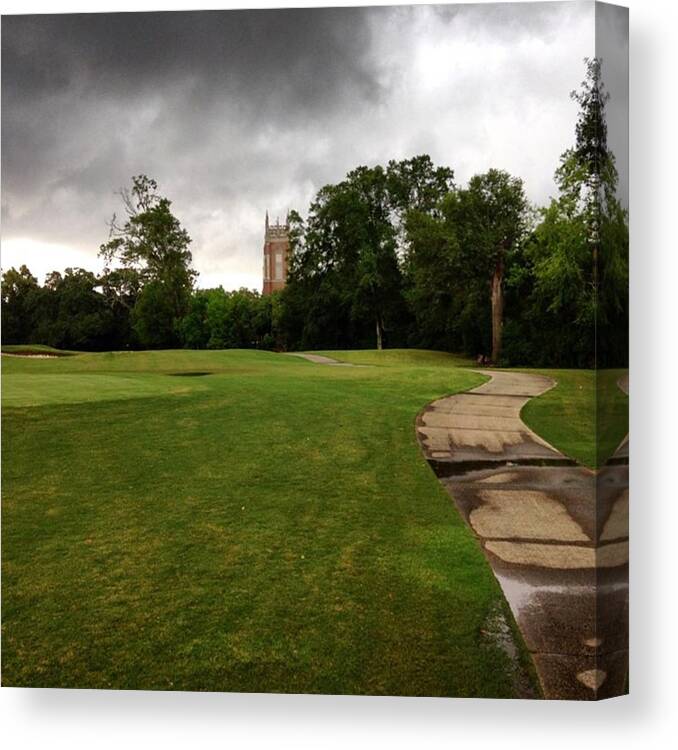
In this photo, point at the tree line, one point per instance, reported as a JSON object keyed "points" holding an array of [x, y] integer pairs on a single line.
{"points": [[394, 255]]}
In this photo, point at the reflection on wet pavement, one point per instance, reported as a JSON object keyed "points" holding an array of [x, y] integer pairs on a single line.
{"points": [[556, 535]]}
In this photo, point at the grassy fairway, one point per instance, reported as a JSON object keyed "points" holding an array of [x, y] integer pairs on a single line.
{"points": [[269, 526]]}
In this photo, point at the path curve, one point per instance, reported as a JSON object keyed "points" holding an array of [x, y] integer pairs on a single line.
{"points": [[483, 425], [554, 533]]}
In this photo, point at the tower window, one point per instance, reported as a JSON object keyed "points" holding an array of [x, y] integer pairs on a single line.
{"points": [[278, 267]]}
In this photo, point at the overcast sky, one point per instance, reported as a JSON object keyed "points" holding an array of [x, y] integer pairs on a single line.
{"points": [[237, 112]]}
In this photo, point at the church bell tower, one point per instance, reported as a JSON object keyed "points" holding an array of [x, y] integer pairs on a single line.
{"points": [[276, 255]]}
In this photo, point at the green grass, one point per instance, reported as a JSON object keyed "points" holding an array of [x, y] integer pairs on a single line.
{"points": [[581, 408], [271, 526]]}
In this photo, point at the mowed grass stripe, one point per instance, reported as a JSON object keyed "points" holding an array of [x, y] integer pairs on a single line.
{"points": [[33, 389]]}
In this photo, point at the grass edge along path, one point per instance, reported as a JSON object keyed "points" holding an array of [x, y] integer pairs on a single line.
{"points": [[585, 416]]}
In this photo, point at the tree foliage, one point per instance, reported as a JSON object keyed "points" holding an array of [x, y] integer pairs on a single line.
{"points": [[242, 319], [67, 312], [346, 284], [579, 252], [150, 240], [20, 293]]}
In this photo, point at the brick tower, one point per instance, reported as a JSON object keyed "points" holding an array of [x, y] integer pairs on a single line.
{"points": [[276, 255]]}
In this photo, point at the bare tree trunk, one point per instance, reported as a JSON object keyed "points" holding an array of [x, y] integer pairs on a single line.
{"points": [[497, 308], [379, 336]]}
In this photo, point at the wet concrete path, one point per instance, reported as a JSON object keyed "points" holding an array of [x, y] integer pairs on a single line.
{"points": [[554, 533]]}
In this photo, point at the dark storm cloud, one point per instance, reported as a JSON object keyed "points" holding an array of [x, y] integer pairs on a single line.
{"points": [[266, 66], [277, 57], [89, 100], [236, 112]]}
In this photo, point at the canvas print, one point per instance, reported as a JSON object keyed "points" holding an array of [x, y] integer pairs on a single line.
{"points": [[315, 351]]}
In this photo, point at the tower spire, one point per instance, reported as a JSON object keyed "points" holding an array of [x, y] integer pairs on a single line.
{"points": [[267, 220]]}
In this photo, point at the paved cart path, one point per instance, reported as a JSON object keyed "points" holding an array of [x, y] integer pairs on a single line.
{"points": [[484, 425], [555, 534]]}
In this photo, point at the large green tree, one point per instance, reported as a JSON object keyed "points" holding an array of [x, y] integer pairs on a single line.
{"points": [[150, 239], [580, 250], [345, 257], [447, 308], [346, 286], [457, 259], [492, 221]]}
